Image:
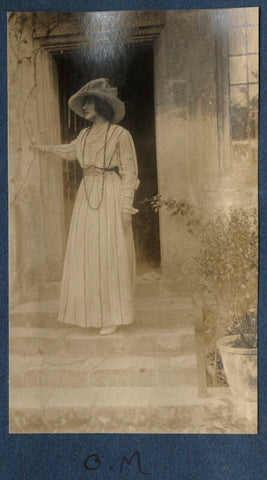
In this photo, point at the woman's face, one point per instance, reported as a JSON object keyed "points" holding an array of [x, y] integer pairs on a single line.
{"points": [[89, 109]]}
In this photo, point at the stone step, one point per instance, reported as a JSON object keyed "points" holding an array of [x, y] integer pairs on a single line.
{"points": [[164, 311], [115, 410], [127, 340], [157, 287], [79, 371], [154, 288], [148, 311], [150, 284]]}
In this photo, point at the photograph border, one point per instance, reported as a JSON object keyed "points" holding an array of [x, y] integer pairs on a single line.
{"points": [[155, 457]]}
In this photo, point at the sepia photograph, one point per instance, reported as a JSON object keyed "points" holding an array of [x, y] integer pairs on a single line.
{"points": [[133, 221]]}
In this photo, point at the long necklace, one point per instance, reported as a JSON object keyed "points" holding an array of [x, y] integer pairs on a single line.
{"points": [[103, 171]]}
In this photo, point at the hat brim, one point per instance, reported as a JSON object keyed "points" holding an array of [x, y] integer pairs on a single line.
{"points": [[76, 102]]}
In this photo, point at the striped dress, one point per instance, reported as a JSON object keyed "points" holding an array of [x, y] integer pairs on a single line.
{"points": [[99, 266]]}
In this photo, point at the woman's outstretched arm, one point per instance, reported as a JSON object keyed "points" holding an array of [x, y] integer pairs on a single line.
{"points": [[67, 151]]}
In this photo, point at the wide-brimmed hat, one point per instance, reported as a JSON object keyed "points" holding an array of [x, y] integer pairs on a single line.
{"points": [[98, 88]]}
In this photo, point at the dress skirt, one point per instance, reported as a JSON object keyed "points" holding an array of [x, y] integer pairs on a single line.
{"points": [[99, 266]]}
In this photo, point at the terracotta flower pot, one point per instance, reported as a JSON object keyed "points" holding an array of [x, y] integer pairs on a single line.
{"points": [[240, 365]]}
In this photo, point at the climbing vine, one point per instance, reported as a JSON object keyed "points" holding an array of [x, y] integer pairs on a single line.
{"points": [[20, 36]]}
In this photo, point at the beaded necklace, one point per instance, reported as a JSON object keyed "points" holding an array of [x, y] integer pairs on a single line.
{"points": [[103, 170]]}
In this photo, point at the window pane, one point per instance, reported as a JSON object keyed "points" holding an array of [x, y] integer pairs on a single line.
{"points": [[239, 112], [239, 96], [237, 16], [253, 39], [237, 41], [253, 68], [252, 15], [254, 92], [238, 69]]}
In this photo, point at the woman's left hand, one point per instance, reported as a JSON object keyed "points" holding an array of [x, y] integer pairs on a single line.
{"points": [[126, 220]]}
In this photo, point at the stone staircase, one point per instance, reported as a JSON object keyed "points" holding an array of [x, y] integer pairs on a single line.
{"points": [[140, 379]]}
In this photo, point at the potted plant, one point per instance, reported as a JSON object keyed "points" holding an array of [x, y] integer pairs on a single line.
{"points": [[227, 262], [228, 266]]}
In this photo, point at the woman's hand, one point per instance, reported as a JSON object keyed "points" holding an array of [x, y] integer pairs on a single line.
{"points": [[126, 220], [42, 148], [36, 146]]}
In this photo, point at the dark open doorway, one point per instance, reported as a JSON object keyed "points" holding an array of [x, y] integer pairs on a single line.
{"points": [[131, 70]]}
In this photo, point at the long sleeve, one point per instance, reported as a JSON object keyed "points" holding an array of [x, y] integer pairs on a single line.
{"points": [[128, 170], [67, 151]]}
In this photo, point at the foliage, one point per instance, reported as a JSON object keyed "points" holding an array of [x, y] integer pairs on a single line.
{"points": [[245, 327], [176, 207], [227, 261]]}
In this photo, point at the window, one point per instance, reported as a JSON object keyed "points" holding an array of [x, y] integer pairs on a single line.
{"points": [[243, 54]]}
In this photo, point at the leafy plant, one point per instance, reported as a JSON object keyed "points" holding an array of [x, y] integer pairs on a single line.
{"points": [[245, 327], [175, 206], [227, 261]]}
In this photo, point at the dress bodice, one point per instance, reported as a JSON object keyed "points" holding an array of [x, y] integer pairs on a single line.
{"points": [[89, 149]]}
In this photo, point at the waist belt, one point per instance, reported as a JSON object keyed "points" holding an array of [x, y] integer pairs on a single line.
{"points": [[93, 170]]}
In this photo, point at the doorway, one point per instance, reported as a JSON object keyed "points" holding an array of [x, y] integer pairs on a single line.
{"points": [[131, 70]]}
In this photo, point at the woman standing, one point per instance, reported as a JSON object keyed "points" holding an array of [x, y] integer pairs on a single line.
{"points": [[99, 267]]}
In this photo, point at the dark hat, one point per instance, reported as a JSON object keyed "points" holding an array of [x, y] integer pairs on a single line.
{"points": [[98, 88]]}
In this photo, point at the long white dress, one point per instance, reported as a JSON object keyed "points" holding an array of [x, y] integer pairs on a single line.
{"points": [[99, 267]]}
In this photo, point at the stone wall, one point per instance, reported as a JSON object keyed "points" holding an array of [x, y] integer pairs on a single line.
{"points": [[193, 144], [186, 124], [35, 181]]}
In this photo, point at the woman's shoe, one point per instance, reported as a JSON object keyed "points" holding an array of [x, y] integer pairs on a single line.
{"points": [[108, 330]]}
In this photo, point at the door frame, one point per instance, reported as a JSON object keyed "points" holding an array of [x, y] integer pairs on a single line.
{"points": [[49, 121]]}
